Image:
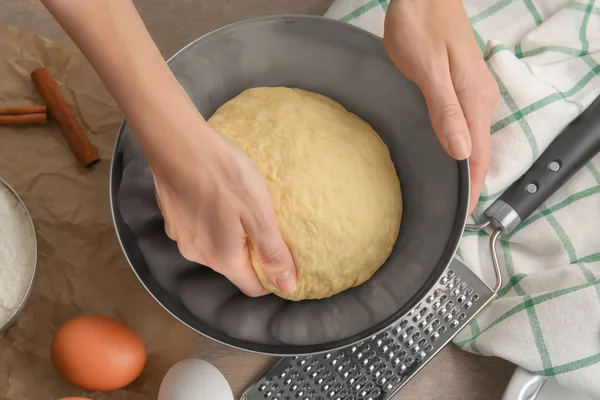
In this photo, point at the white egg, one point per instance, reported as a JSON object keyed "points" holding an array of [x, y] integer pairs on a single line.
{"points": [[194, 379]]}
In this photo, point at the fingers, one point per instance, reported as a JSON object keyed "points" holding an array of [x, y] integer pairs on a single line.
{"points": [[446, 114], [242, 275], [231, 259], [478, 93], [271, 251]]}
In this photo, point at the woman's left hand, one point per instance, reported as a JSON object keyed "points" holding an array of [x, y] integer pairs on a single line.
{"points": [[432, 44]]}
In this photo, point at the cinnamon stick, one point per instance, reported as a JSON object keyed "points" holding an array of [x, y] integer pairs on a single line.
{"points": [[79, 143], [26, 119], [22, 110]]}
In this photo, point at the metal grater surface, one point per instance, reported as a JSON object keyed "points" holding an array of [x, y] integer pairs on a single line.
{"points": [[377, 368]]}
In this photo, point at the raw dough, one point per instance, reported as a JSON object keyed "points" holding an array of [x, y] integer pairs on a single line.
{"points": [[334, 187]]}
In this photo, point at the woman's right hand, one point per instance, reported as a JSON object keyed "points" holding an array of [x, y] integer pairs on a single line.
{"points": [[215, 203]]}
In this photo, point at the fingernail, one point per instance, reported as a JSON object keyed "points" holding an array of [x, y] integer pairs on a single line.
{"points": [[459, 147], [286, 282]]}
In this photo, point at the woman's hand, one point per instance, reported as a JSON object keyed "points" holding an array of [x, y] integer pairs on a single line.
{"points": [[432, 44], [213, 199], [215, 203]]}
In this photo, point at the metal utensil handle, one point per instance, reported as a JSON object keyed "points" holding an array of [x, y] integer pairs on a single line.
{"points": [[572, 149], [377, 368]]}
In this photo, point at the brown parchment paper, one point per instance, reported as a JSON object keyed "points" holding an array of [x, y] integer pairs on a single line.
{"points": [[81, 269]]}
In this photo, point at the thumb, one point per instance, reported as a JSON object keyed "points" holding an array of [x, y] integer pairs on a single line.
{"points": [[273, 255], [447, 116]]}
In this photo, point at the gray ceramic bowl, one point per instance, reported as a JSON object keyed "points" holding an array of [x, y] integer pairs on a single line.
{"points": [[350, 66]]}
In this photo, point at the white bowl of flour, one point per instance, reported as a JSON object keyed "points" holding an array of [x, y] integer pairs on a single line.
{"points": [[18, 255]]}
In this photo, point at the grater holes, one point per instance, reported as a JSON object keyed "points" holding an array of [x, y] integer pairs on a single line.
{"points": [[454, 310], [475, 297], [369, 386], [461, 298], [444, 280], [378, 371], [435, 336], [410, 330], [454, 324], [468, 305], [422, 342], [455, 292], [450, 286], [416, 335], [456, 279], [462, 316], [442, 329], [468, 291], [463, 285], [450, 273], [420, 356]]}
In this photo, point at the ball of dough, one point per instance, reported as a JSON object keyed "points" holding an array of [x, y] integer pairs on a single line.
{"points": [[334, 187]]}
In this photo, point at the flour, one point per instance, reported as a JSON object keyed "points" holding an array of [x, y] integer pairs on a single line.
{"points": [[17, 254]]}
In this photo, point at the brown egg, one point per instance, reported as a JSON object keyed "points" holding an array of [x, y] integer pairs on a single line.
{"points": [[97, 353]]}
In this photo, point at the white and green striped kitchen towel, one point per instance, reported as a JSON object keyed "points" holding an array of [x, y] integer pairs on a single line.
{"points": [[545, 56]]}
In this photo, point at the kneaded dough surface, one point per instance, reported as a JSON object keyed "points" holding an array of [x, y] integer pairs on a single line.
{"points": [[334, 187]]}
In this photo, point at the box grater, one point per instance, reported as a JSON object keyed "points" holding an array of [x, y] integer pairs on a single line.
{"points": [[377, 368]]}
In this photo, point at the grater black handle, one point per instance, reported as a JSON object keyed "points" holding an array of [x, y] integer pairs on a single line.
{"points": [[569, 152]]}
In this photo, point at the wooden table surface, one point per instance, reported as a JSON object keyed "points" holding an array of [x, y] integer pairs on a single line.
{"points": [[453, 374]]}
